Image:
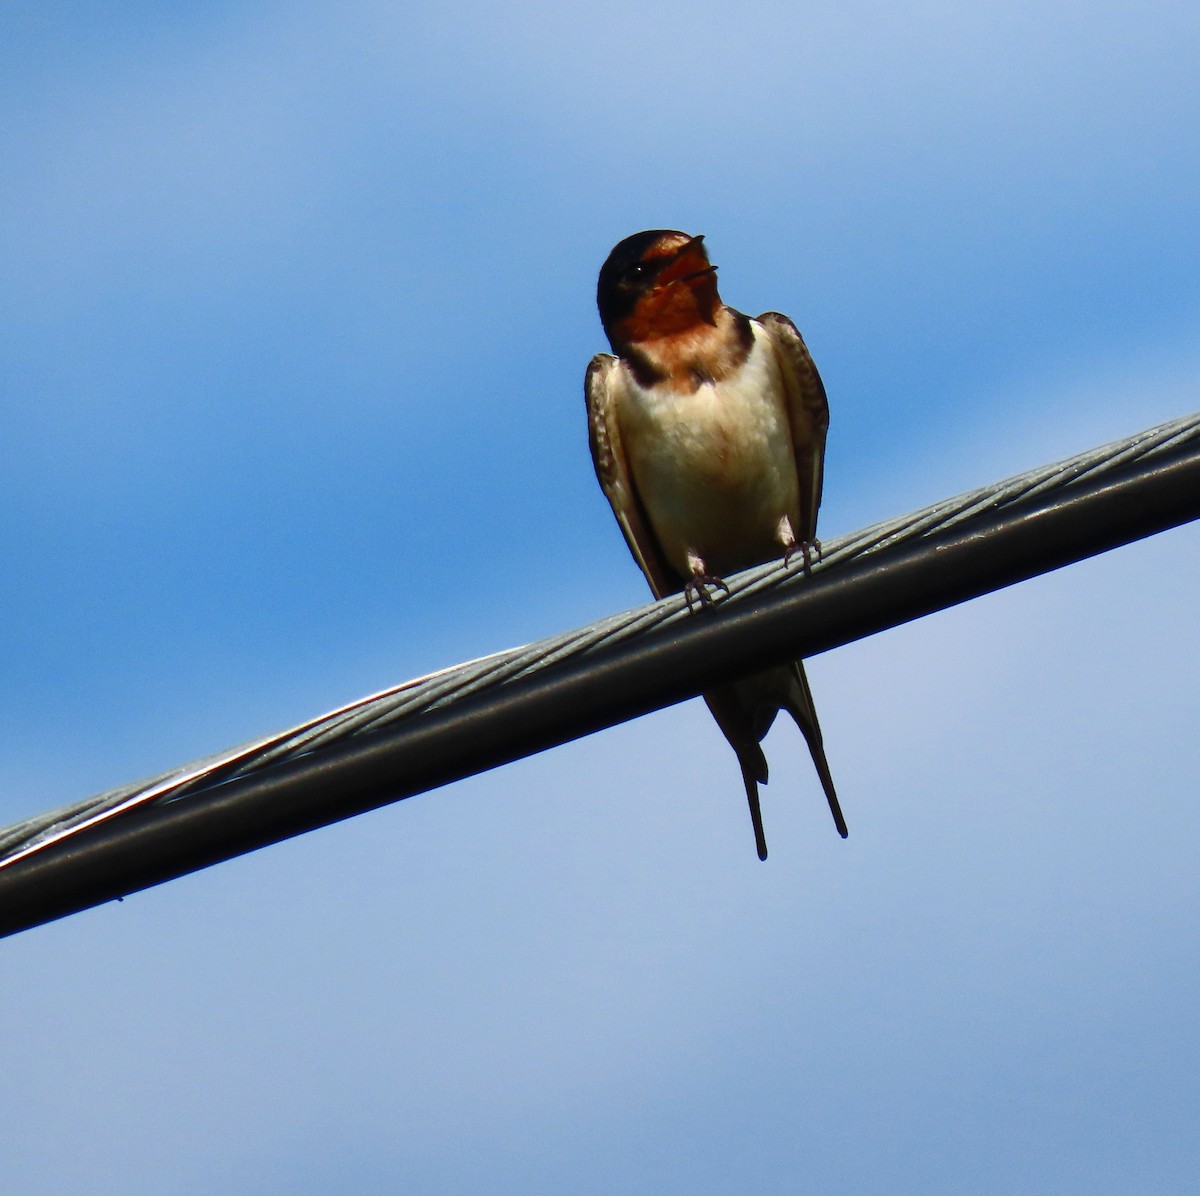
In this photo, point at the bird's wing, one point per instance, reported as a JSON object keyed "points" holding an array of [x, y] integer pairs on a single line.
{"points": [[808, 415], [612, 469]]}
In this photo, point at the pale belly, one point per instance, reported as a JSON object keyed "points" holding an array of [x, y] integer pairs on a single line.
{"points": [[715, 469]]}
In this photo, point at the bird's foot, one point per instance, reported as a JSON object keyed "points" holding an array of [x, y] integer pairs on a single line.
{"points": [[704, 589], [808, 550]]}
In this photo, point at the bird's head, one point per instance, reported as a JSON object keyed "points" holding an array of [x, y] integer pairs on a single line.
{"points": [[656, 284]]}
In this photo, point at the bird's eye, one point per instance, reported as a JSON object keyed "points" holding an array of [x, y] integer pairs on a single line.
{"points": [[638, 271]]}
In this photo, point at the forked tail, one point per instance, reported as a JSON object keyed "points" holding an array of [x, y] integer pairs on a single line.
{"points": [[799, 705]]}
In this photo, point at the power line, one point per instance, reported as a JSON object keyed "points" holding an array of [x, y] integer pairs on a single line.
{"points": [[484, 713]]}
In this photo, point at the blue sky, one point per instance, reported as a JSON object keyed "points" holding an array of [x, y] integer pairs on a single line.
{"points": [[296, 303]]}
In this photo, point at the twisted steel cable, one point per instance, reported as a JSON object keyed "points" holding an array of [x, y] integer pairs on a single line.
{"points": [[469, 685]]}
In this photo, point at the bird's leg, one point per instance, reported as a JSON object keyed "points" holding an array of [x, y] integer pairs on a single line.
{"points": [[702, 586], [809, 551]]}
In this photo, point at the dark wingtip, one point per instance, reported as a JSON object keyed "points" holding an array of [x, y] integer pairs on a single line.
{"points": [[762, 851]]}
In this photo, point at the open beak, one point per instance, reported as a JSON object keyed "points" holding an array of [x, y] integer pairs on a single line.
{"points": [[683, 250]]}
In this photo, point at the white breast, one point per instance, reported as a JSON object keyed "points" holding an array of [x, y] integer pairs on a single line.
{"points": [[715, 469]]}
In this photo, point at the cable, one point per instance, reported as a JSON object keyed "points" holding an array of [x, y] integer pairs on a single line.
{"points": [[475, 716]]}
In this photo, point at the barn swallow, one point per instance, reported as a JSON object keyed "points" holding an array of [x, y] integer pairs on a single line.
{"points": [[707, 431]]}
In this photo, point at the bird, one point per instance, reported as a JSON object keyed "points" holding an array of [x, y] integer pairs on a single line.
{"points": [[707, 432]]}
